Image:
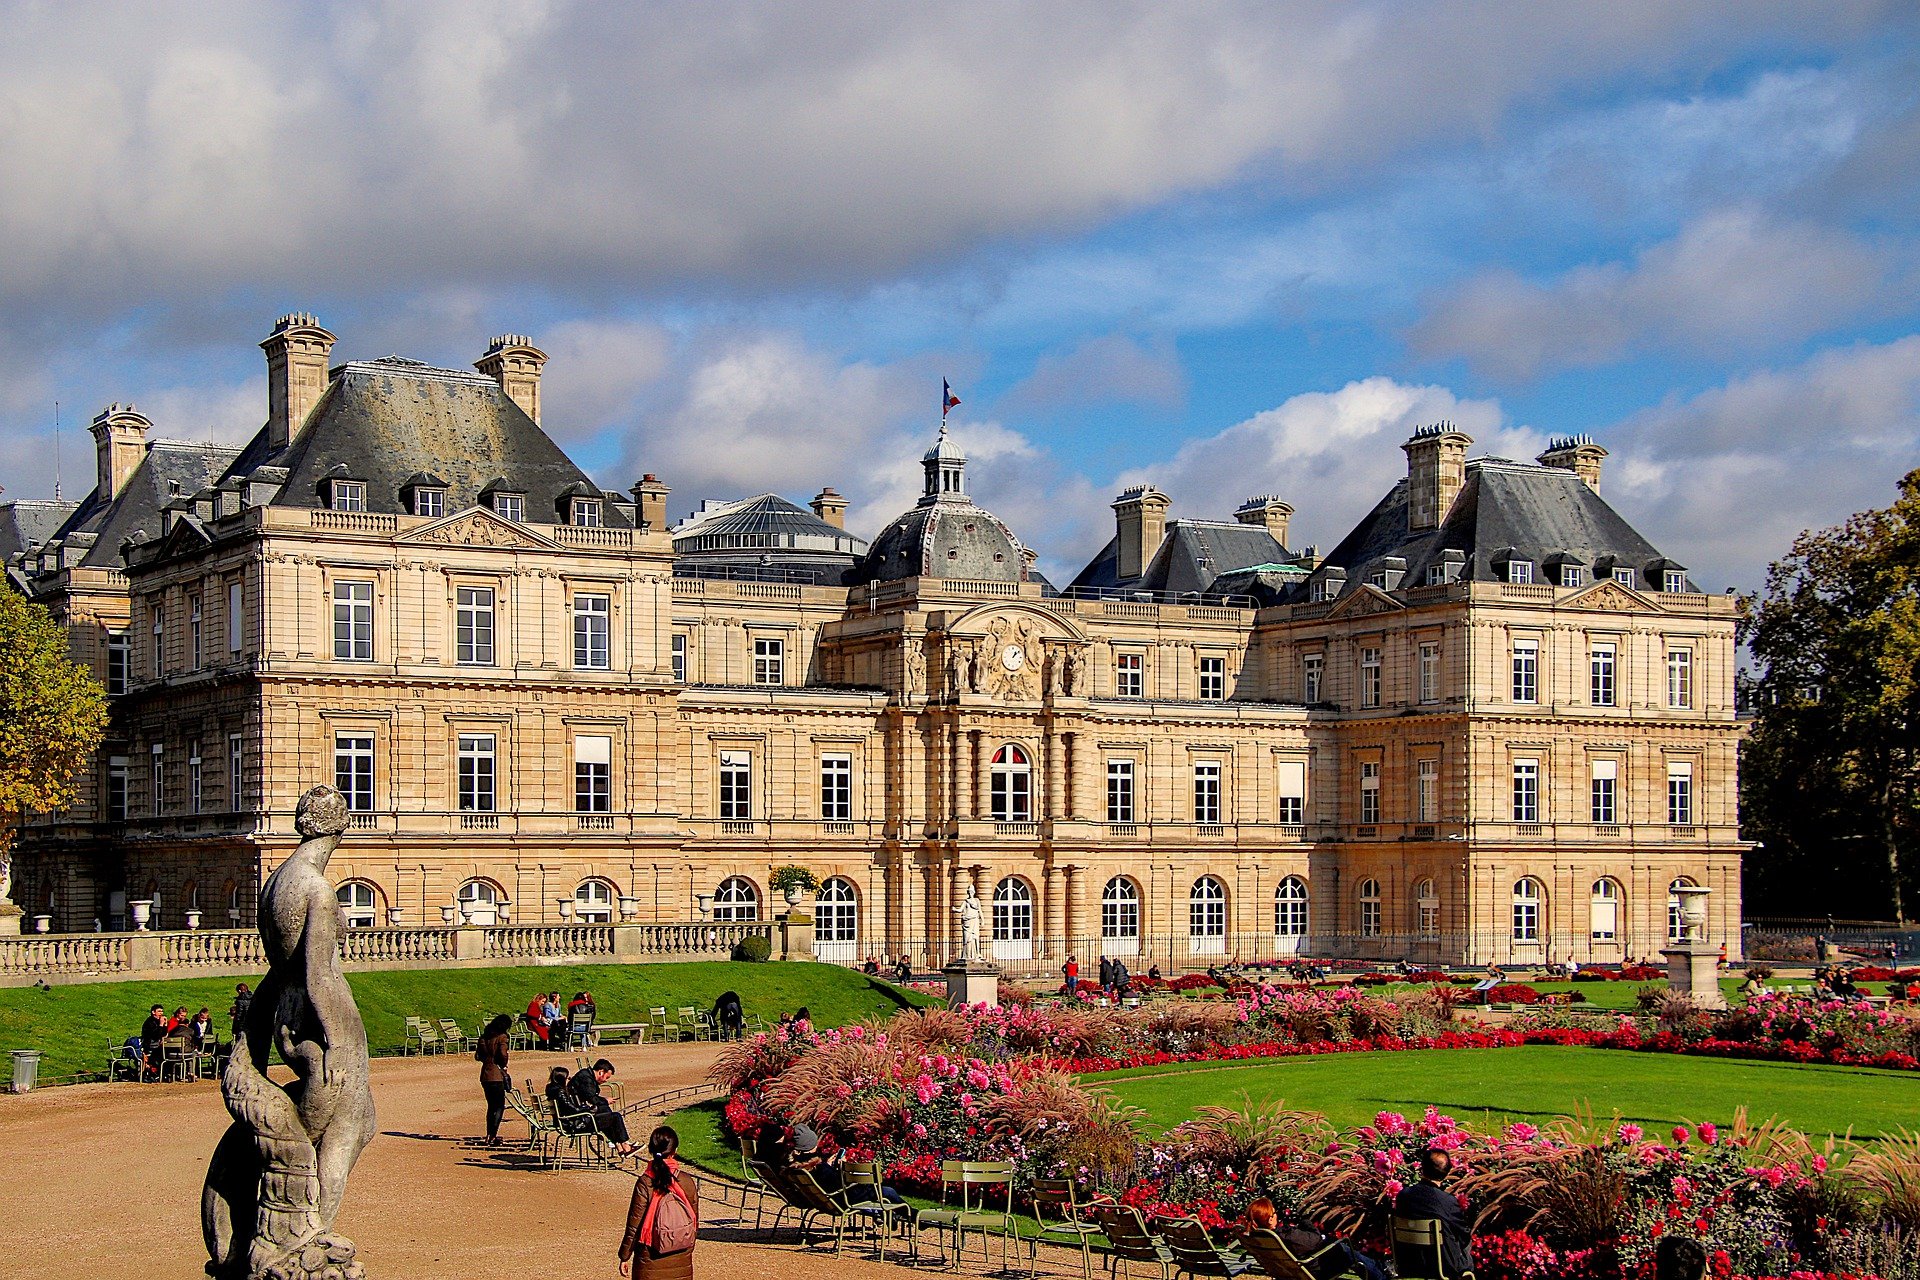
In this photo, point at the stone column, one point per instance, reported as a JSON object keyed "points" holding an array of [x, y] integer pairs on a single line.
{"points": [[977, 782], [1070, 905], [1056, 774], [1076, 783], [1055, 914]]}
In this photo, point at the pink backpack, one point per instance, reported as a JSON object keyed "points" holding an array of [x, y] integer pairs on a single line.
{"points": [[671, 1225]]}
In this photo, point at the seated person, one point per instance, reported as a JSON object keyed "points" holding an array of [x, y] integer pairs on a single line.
{"points": [[1323, 1256], [584, 1089], [582, 1002], [801, 1150], [200, 1029], [567, 1113], [179, 1020], [1429, 1198], [152, 1032], [536, 1017], [1153, 971]]}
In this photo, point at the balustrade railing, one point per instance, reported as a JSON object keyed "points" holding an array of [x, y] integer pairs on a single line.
{"points": [[67, 953], [539, 940], [396, 946], [227, 948]]}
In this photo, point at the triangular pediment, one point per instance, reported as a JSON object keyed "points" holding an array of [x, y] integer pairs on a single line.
{"points": [[1368, 599], [1608, 596], [187, 533], [478, 527]]}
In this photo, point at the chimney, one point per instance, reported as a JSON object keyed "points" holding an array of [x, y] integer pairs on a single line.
{"points": [[651, 497], [1141, 513], [831, 507], [514, 362], [119, 441], [297, 352], [1267, 512], [1578, 454], [1436, 468]]}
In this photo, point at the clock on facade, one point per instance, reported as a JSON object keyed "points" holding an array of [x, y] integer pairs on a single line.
{"points": [[1013, 657]]}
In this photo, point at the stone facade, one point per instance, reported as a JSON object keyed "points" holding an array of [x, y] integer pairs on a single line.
{"points": [[543, 708]]}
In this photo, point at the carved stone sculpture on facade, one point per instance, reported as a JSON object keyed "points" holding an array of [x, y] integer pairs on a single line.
{"points": [[276, 1179], [969, 911]]}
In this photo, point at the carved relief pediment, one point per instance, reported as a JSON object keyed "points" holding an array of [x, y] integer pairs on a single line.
{"points": [[1610, 597], [479, 528], [1366, 600]]}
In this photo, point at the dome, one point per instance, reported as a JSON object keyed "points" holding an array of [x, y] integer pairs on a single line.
{"points": [[945, 540]]}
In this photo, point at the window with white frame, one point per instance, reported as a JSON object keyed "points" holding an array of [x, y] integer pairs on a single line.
{"points": [[1624, 577], [736, 901], [1679, 678], [473, 626], [1206, 792], [1573, 575], [475, 764], [1011, 785], [194, 647], [1603, 911], [348, 495], [1430, 672], [679, 657], [1601, 674], [1679, 793], [1526, 671], [1604, 792], [1129, 675], [1520, 571], [769, 660], [358, 904], [1213, 679], [1369, 792], [1369, 908], [836, 788], [836, 912], [158, 753], [592, 773], [353, 621], [236, 776], [1426, 910], [1292, 793], [117, 775], [1528, 898], [430, 502], [1290, 908], [586, 511], [353, 770], [1312, 666], [510, 506], [1012, 911], [117, 662], [1426, 790], [236, 615], [1526, 791], [1207, 909], [1119, 791], [736, 786], [1674, 581], [1369, 677], [590, 630], [1119, 909], [193, 776], [593, 902]]}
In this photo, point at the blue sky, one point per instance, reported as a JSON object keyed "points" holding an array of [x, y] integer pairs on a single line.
{"points": [[1231, 249]]}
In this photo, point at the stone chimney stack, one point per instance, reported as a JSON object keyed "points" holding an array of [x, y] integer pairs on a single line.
{"points": [[119, 441], [1141, 514], [650, 496], [1578, 454], [831, 507], [514, 362], [1267, 512], [1436, 468], [297, 352]]}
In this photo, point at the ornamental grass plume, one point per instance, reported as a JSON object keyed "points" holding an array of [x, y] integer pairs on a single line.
{"points": [[1204, 1020], [1887, 1173], [1570, 1186], [1248, 1134], [759, 1057], [847, 1082], [1084, 1130], [923, 1032]]}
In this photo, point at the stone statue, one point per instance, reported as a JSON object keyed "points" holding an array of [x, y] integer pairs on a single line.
{"points": [[973, 670], [1070, 671], [275, 1181], [969, 911]]}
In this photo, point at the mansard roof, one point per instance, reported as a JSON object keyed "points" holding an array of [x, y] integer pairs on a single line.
{"points": [[1192, 556], [171, 469], [27, 523]]}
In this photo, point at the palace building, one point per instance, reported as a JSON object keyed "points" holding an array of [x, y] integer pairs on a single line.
{"points": [[1494, 723]]}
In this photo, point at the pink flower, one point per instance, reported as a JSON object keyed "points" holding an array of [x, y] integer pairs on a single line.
{"points": [[1393, 1187], [1630, 1132], [1679, 1135], [1521, 1131], [1707, 1132]]}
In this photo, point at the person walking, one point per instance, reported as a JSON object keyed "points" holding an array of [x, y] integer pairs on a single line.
{"points": [[663, 1218], [491, 1053], [1106, 975], [1070, 975]]}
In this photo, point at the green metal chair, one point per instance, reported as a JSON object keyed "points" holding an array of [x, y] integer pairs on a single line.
{"points": [[1060, 1198], [1198, 1254], [1129, 1240], [1419, 1252], [1280, 1262], [858, 1176]]}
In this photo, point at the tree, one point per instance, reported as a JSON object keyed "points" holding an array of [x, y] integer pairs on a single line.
{"points": [[1831, 769], [52, 713]]}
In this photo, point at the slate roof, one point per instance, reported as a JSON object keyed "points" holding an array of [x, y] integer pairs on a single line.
{"points": [[946, 539], [171, 469], [1192, 556], [764, 537], [1505, 510], [28, 523]]}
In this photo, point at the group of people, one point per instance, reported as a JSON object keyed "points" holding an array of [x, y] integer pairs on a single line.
{"points": [[548, 1019], [1114, 982], [145, 1049], [901, 970]]}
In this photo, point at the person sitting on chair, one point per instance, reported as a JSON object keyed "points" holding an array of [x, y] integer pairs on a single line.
{"points": [[585, 1092], [152, 1032], [1428, 1198], [802, 1151], [1311, 1248], [200, 1029]]}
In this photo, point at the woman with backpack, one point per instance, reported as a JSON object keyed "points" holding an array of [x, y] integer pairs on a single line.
{"points": [[663, 1221]]}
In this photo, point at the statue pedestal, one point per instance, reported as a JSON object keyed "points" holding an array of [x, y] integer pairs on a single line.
{"points": [[972, 982], [1693, 969], [9, 919]]}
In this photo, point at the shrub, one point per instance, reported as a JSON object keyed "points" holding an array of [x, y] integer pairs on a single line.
{"points": [[753, 948], [1513, 993], [1193, 982], [792, 877]]}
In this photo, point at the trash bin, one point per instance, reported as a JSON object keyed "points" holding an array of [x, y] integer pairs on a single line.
{"points": [[26, 1070]]}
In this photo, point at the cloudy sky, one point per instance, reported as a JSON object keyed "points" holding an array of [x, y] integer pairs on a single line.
{"points": [[1232, 249]]}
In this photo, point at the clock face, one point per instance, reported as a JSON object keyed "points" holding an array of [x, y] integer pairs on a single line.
{"points": [[1013, 657]]}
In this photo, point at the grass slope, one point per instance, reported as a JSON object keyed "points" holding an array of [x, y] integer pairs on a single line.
{"points": [[1488, 1088], [72, 1025]]}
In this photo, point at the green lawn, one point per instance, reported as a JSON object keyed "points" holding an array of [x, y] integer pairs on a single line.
{"points": [[71, 1025], [1488, 1088]]}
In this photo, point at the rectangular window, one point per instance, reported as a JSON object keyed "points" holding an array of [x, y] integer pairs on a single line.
{"points": [[680, 657], [1573, 575], [1526, 671], [117, 771], [159, 641], [586, 511], [1311, 665], [1624, 577], [1426, 790], [353, 621], [236, 779], [1293, 793], [1680, 794], [836, 788], [193, 776], [1369, 792], [1674, 581], [1604, 790], [1600, 675], [1679, 678], [1213, 679], [1526, 791], [353, 770], [769, 660], [1129, 675], [1369, 677], [1206, 792], [592, 774], [1119, 791], [349, 495], [473, 626], [477, 793], [590, 618], [236, 616], [193, 633], [1604, 911], [510, 506], [1436, 574], [116, 662], [1429, 673], [736, 786], [1520, 571], [429, 502], [159, 754]]}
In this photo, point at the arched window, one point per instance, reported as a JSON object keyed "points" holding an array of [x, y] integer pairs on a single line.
{"points": [[593, 902], [479, 901], [836, 920], [736, 901], [359, 904], [1120, 917], [1603, 911], [1012, 920], [1527, 901], [1676, 927], [1426, 910], [233, 902], [1369, 908], [1207, 917], [1290, 910], [1012, 785]]}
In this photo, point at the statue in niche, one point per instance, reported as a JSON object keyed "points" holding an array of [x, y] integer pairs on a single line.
{"points": [[276, 1179], [973, 670], [1069, 673]]}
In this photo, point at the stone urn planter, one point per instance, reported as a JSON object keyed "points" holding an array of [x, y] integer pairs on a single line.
{"points": [[193, 917], [795, 896], [42, 924], [142, 912]]}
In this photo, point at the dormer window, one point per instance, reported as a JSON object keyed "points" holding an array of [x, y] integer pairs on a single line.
{"points": [[586, 511], [510, 506], [347, 495], [1520, 571], [1573, 575], [1674, 581], [1624, 577], [429, 502]]}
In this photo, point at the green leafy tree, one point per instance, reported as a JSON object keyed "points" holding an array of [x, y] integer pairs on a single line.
{"points": [[1830, 775], [52, 713]]}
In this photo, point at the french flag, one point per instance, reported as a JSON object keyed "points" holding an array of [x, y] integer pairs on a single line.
{"points": [[947, 399]]}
